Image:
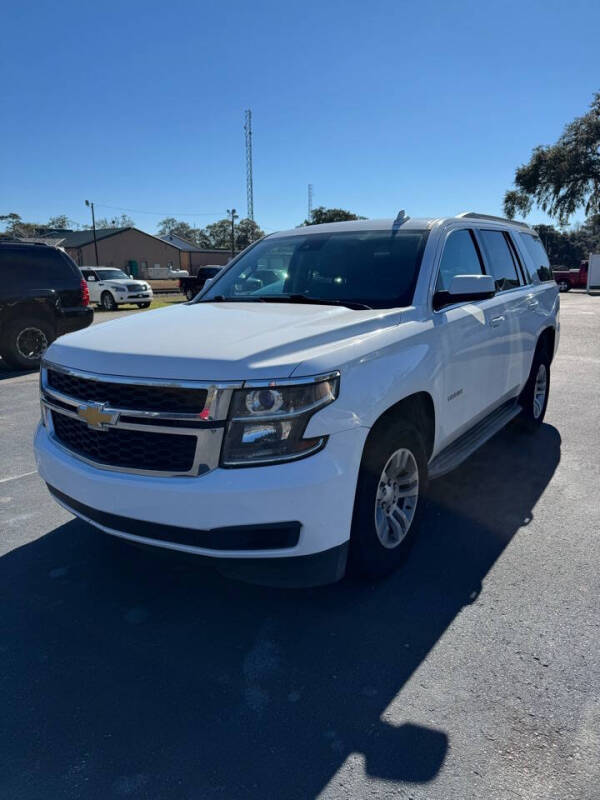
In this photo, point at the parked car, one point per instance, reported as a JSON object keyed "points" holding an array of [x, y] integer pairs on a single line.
{"points": [[110, 287], [286, 435], [571, 278], [192, 284], [42, 296]]}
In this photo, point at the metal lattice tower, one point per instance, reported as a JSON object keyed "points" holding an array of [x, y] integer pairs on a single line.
{"points": [[310, 200], [249, 181]]}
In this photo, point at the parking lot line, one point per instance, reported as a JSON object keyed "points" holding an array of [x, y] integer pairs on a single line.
{"points": [[16, 477]]}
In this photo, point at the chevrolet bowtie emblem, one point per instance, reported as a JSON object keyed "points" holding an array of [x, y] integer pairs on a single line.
{"points": [[96, 417]]}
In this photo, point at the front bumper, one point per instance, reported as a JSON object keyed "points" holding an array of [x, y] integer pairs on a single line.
{"points": [[317, 492], [134, 297]]}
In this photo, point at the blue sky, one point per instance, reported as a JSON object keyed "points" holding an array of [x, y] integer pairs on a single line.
{"points": [[425, 106]]}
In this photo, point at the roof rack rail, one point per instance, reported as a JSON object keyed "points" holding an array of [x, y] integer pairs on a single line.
{"points": [[491, 217]]}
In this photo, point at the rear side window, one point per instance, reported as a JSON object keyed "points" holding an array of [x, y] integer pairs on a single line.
{"points": [[38, 268], [500, 260], [460, 257], [536, 255]]}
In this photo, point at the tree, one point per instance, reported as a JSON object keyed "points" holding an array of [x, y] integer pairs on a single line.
{"points": [[15, 227], [562, 177], [122, 221], [321, 214], [219, 234], [246, 232], [60, 223]]}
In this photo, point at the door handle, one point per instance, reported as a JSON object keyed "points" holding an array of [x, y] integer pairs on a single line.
{"points": [[495, 321]]}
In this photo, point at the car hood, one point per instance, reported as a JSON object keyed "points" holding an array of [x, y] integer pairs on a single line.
{"points": [[217, 341]]}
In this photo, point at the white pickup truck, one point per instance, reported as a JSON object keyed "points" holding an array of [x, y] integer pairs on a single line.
{"points": [[288, 429]]}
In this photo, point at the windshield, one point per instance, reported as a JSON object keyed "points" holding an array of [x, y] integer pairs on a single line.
{"points": [[114, 274], [377, 269]]}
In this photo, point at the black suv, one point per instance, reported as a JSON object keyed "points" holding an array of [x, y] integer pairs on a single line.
{"points": [[42, 295]]}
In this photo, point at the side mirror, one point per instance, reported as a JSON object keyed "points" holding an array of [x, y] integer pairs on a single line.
{"points": [[464, 289]]}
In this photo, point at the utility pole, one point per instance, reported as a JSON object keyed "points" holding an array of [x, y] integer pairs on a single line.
{"points": [[232, 213], [310, 201], [91, 205], [249, 178]]}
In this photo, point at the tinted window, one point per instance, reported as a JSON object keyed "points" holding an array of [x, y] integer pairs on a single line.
{"points": [[460, 257], [537, 256], [111, 274], [377, 268], [88, 275], [499, 259], [37, 268]]}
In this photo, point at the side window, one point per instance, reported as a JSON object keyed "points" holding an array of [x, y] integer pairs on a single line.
{"points": [[460, 257], [51, 267], [536, 255], [500, 260]]}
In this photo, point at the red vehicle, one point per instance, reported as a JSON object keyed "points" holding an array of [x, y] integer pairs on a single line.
{"points": [[571, 278]]}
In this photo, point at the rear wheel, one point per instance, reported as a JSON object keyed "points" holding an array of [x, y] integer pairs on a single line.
{"points": [[563, 285], [534, 397], [389, 499], [25, 342], [143, 305], [108, 301]]}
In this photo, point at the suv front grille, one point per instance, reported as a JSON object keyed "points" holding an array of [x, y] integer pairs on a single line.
{"points": [[127, 449], [171, 399]]}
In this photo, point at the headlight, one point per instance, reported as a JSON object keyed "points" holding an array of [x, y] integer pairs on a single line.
{"points": [[267, 422]]}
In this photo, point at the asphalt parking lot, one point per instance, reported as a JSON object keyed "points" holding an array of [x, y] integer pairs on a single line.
{"points": [[472, 673]]}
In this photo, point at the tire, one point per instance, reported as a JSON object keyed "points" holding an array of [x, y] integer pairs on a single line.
{"points": [[534, 397], [379, 540], [563, 285], [143, 305], [25, 341], [107, 302]]}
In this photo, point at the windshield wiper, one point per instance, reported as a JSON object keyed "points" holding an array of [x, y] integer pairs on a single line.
{"points": [[317, 301]]}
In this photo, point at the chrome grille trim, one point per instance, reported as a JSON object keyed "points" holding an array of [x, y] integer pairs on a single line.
{"points": [[208, 431]]}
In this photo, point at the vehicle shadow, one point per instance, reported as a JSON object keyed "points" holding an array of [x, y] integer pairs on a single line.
{"points": [[127, 673], [9, 372]]}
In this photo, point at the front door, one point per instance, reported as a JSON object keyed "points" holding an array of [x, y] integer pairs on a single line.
{"points": [[470, 384]]}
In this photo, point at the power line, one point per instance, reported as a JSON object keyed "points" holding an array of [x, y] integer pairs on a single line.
{"points": [[249, 177], [164, 213]]}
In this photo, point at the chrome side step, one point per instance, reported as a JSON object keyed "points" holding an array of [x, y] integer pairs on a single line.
{"points": [[469, 442]]}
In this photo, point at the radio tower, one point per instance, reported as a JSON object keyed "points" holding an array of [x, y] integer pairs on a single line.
{"points": [[310, 192], [249, 183]]}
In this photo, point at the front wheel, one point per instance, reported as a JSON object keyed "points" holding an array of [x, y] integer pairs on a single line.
{"points": [[534, 397], [143, 305], [108, 301], [389, 499], [190, 294], [564, 286]]}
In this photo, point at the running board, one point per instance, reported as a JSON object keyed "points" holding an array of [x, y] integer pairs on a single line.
{"points": [[469, 442]]}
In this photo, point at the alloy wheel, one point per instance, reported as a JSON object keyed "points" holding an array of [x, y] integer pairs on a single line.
{"points": [[31, 343], [397, 497]]}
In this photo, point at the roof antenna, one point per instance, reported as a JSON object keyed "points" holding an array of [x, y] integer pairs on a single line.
{"points": [[400, 220]]}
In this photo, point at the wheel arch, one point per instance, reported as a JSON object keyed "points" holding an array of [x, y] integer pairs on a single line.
{"points": [[417, 408], [546, 341]]}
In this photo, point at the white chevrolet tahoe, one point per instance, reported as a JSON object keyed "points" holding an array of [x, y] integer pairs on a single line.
{"points": [[288, 428], [111, 287]]}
